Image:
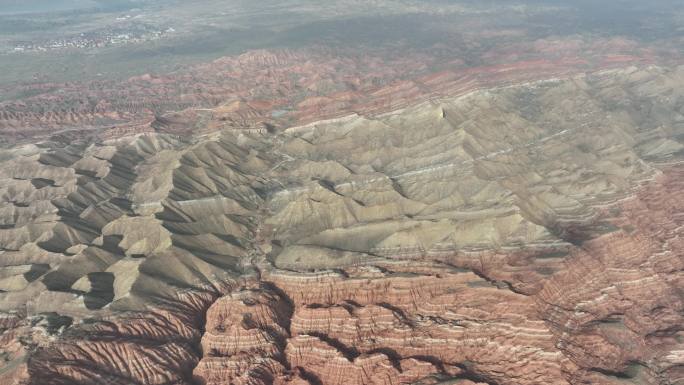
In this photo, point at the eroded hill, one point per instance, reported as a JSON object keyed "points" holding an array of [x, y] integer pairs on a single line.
{"points": [[527, 234]]}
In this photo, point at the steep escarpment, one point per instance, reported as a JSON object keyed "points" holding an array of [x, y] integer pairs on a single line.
{"points": [[527, 234]]}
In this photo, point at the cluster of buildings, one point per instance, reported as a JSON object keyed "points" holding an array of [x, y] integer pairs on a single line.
{"points": [[96, 39]]}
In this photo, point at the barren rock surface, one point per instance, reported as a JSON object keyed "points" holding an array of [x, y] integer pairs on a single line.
{"points": [[525, 234], [262, 89]]}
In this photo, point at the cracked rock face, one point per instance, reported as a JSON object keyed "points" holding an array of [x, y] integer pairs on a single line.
{"points": [[530, 234]]}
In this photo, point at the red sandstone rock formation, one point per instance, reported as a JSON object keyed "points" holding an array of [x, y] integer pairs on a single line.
{"points": [[612, 312], [298, 87], [599, 301], [619, 321], [244, 339]]}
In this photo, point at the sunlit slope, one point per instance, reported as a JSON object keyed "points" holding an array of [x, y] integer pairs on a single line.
{"points": [[122, 223]]}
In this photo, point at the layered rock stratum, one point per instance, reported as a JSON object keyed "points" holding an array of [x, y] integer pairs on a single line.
{"points": [[526, 234], [266, 89]]}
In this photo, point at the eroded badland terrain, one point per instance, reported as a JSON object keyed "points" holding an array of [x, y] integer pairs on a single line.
{"points": [[301, 216]]}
